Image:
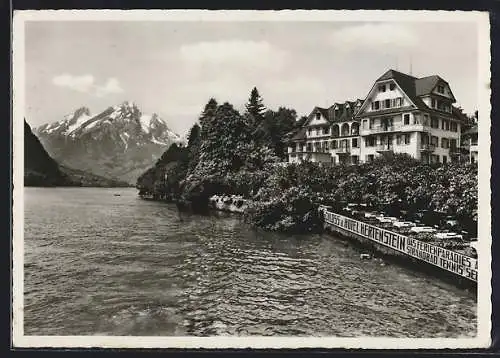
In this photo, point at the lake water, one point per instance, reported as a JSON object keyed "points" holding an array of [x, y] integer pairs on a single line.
{"points": [[100, 264]]}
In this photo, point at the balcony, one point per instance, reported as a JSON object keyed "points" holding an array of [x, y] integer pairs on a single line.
{"points": [[384, 148], [427, 148], [343, 150], [381, 129], [454, 151], [317, 157], [399, 128]]}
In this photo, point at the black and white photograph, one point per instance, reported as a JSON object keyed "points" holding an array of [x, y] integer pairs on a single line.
{"points": [[251, 179]]}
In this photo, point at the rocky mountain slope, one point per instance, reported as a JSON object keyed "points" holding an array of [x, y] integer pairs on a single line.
{"points": [[39, 168], [42, 170], [120, 142]]}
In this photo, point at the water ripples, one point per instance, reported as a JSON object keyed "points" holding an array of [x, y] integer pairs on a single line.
{"points": [[123, 266]]}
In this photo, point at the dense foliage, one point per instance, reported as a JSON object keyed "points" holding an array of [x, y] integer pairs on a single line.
{"points": [[392, 184], [233, 153], [227, 152]]}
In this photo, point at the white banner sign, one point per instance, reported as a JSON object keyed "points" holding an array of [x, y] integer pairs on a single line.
{"points": [[452, 261]]}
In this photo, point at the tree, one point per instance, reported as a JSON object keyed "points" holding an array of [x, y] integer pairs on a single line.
{"points": [[208, 114], [194, 142], [254, 108], [194, 135]]}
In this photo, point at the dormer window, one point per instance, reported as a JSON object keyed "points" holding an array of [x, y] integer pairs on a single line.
{"points": [[440, 89], [433, 103], [381, 88], [392, 86], [318, 115]]}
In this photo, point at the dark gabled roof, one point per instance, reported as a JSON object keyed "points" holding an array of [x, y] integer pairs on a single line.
{"points": [[425, 85], [470, 131], [323, 111], [458, 114], [413, 87], [407, 84], [343, 113]]}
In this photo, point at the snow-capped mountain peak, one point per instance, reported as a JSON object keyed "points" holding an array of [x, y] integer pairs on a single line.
{"points": [[121, 132], [126, 114]]}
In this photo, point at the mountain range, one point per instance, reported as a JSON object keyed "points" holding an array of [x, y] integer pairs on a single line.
{"points": [[40, 169], [120, 143]]}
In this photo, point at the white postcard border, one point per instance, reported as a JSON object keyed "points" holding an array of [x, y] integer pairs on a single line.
{"points": [[484, 211]]}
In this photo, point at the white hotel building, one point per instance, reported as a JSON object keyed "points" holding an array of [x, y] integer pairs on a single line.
{"points": [[401, 114]]}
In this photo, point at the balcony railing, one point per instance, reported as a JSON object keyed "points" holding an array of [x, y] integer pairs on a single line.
{"points": [[381, 129], [384, 148], [341, 150], [427, 147], [393, 128]]}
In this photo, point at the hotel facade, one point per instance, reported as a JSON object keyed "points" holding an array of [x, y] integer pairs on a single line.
{"points": [[400, 114]]}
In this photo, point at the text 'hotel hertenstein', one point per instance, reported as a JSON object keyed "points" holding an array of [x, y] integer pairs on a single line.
{"points": [[401, 114]]}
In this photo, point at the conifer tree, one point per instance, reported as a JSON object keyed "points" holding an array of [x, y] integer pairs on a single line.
{"points": [[255, 108], [208, 114]]}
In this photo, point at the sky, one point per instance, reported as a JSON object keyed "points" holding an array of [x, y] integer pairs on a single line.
{"points": [[173, 68]]}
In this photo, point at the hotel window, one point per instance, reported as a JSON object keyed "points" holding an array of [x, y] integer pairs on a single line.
{"points": [[434, 123], [392, 86], [444, 143], [445, 159], [369, 158], [440, 89], [434, 140], [426, 119], [398, 139], [326, 130], [445, 125], [365, 123], [381, 88], [309, 147], [440, 105], [369, 142], [406, 119], [309, 131], [407, 138], [453, 143], [318, 116], [334, 144], [355, 142], [375, 105], [387, 103], [454, 127], [354, 159], [372, 123], [433, 103]]}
